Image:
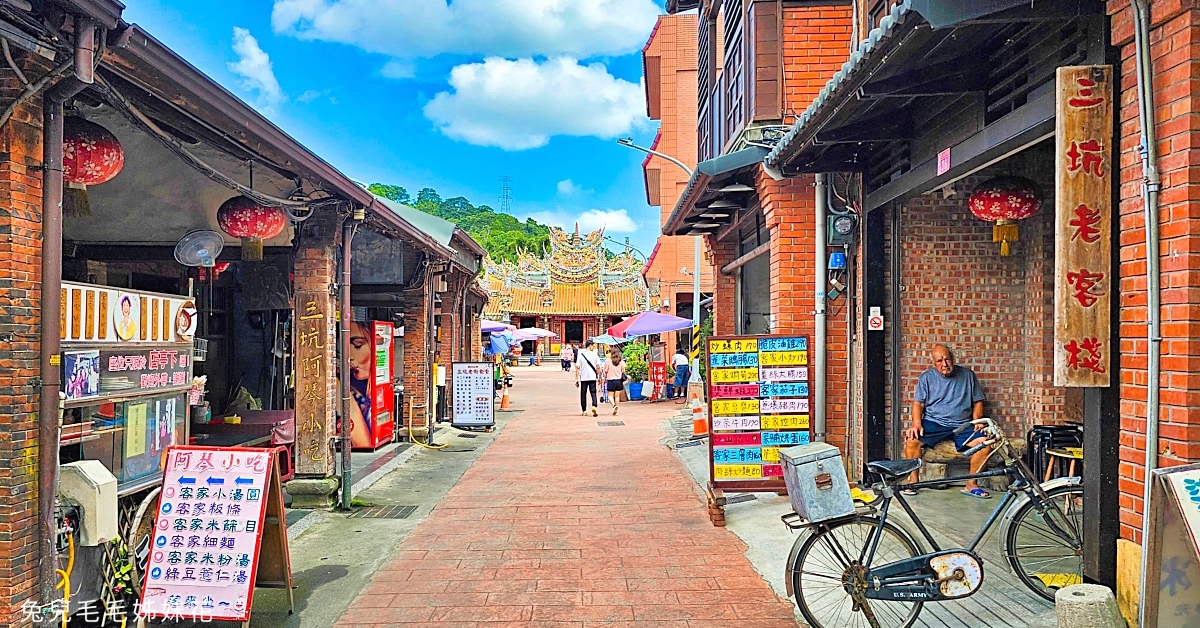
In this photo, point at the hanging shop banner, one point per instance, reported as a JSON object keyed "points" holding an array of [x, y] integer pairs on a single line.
{"points": [[1173, 547], [1083, 282], [758, 403], [100, 315], [474, 392], [313, 325], [139, 370], [220, 531]]}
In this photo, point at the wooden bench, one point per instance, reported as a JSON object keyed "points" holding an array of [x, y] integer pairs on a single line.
{"points": [[944, 461]]}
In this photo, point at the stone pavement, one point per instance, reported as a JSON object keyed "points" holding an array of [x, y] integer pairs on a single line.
{"points": [[563, 522]]}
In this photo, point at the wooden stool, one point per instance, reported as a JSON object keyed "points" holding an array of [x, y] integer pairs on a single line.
{"points": [[1072, 454]]}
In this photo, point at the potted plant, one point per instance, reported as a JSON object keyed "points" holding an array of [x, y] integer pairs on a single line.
{"points": [[636, 369]]}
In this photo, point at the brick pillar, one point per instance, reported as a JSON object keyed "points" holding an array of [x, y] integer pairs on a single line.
{"points": [[20, 296], [315, 337], [416, 356], [475, 339], [725, 289]]}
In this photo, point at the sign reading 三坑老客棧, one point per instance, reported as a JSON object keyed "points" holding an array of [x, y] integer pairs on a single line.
{"points": [[474, 394], [758, 404], [1083, 282]]}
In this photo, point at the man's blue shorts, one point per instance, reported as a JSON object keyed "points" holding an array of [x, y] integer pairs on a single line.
{"points": [[934, 433]]}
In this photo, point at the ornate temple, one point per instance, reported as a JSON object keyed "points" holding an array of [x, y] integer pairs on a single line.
{"points": [[576, 288]]}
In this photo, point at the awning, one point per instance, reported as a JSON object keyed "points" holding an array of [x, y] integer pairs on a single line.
{"points": [[713, 180]]}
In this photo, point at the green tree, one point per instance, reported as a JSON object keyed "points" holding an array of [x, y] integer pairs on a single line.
{"points": [[390, 192]]}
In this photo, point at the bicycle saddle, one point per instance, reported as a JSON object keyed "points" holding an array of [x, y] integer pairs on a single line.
{"points": [[892, 469]]}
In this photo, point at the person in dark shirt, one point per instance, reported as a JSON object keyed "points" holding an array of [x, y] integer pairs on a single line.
{"points": [[946, 397]]}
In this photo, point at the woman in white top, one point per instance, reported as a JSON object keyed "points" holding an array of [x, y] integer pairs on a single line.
{"points": [[614, 375]]}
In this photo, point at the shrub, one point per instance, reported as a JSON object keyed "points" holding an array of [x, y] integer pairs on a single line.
{"points": [[636, 369]]}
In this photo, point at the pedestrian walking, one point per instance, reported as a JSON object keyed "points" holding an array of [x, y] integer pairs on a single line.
{"points": [[682, 368], [587, 371], [566, 355], [614, 377]]}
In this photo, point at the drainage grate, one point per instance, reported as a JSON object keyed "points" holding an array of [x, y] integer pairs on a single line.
{"points": [[609, 423], [737, 499], [384, 512], [468, 435], [688, 443]]}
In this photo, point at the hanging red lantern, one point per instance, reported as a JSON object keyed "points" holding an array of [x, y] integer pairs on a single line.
{"points": [[1003, 201], [91, 156], [244, 218]]}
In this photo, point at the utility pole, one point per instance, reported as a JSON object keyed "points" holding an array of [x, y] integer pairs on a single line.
{"points": [[506, 194]]}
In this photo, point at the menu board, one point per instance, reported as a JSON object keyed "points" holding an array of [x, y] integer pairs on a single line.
{"points": [[207, 534], [474, 390], [758, 404]]}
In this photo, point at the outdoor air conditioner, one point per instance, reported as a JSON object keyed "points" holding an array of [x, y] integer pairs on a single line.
{"points": [[439, 284], [91, 486]]}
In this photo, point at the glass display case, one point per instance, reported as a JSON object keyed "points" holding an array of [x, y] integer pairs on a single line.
{"points": [[130, 436]]}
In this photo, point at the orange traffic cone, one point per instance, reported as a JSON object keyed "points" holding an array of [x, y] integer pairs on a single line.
{"points": [[504, 404], [699, 418]]}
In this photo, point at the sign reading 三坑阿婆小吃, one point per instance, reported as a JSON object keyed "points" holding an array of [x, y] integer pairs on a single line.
{"points": [[219, 532], [758, 403], [1083, 282], [474, 394], [312, 335]]}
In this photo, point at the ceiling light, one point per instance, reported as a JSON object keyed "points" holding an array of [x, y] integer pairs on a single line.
{"points": [[722, 204], [706, 225], [737, 187], [697, 232], [714, 215]]}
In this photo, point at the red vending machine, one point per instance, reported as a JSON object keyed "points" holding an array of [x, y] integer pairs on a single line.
{"points": [[373, 414]]}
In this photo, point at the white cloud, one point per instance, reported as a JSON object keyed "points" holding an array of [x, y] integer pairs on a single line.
{"points": [[410, 29], [567, 187], [611, 220], [254, 67], [517, 105], [311, 95]]}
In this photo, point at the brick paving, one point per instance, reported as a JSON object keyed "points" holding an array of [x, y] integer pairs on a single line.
{"points": [[565, 523]]}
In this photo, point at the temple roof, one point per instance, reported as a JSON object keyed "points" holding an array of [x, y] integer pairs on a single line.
{"points": [[574, 276]]}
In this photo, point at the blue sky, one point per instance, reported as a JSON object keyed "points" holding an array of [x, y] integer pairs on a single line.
{"points": [[426, 93]]}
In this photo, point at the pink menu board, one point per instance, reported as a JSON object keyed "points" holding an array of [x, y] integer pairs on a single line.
{"points": [[207, 534]]}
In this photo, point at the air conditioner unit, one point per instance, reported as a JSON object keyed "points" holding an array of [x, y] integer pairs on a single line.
{"points": [[439, 284], [89, 485]]}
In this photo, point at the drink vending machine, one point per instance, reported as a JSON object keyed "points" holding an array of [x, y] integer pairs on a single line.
{"points": [[372, 358]]}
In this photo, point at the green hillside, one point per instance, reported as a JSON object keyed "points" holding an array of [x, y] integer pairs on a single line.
{"points": [[498, 233]]}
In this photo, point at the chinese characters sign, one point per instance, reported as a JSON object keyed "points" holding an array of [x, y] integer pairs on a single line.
{"points": [[474, 391], [758, 404], [205, 548], [1083, 284], [146, 369], [313, 424]]}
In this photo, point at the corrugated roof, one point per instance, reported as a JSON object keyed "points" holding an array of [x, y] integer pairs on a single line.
{"points": [[868, 50], [569, 300], [439, 229]]}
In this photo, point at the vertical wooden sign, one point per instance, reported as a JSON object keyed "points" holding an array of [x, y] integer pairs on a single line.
{"points": [[312, 383], [1083, 284]]}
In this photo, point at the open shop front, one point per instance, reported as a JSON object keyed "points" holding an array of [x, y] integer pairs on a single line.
{"points": [[985, 168]]}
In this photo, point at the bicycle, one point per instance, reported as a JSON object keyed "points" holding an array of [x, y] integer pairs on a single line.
{"points": [[865, 570]]}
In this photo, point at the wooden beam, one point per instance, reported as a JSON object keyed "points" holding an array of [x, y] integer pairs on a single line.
{"points": [[898, 126], [744, 217], [728, 269], [942, 79]]}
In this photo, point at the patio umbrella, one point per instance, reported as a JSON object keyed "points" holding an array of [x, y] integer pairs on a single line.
{"points": [[521, 335], [648, 323], [491, 326], [606, 339], [539, 332]]}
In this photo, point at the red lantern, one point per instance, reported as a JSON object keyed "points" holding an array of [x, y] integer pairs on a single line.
{"points": [[1004, 201], [91, 156], [244, 218]]}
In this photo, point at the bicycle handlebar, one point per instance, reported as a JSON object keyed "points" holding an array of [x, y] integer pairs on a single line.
{"points": [[974, 450]]}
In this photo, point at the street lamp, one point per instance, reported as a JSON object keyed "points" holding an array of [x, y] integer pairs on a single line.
{"points": [[694, 380]]}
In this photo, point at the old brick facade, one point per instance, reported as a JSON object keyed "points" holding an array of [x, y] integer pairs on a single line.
{"points": [[315, 269]]}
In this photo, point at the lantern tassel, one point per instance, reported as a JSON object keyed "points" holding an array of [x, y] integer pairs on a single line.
{"points": [[75, 200], [252, 249], [1005, 233]]}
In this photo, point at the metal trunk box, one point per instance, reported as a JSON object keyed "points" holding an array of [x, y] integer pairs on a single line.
{"points": [[816, 481]]}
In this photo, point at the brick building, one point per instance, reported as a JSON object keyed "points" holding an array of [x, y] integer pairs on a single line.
{"points": [[188, 146], [932, 102], [669, 67]]}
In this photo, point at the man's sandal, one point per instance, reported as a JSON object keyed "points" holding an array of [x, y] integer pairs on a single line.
{"points": [[908, 492], [976, 492]]}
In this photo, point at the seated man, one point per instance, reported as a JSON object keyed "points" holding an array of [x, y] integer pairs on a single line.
{"points": [[946, 397]]}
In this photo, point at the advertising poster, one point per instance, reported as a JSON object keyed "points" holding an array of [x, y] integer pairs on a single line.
{"points": [[81, 374], [473, 394], [135, 429]]}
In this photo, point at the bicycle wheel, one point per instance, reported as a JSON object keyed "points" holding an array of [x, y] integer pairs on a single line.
{"points": [[830, 557], [1036, 545]]}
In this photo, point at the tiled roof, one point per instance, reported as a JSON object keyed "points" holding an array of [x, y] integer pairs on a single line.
{"points": [[569, 300]]}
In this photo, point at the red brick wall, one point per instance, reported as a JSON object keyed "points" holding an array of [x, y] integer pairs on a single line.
{"points": [[20, 295], [816, 42], [725, 295], [416, 357], [1174, 44]]}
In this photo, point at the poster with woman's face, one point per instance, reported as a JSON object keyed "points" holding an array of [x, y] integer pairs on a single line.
{"points": [[360, 350], [185, 321], [125, 316]]}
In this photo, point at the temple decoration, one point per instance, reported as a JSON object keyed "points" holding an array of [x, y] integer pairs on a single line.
{"points": [[91, 156], [573, 278], [244, 218], [1003, 201]]}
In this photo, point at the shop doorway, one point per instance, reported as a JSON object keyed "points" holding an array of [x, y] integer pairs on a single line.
{"points": [[573, 331], [527, 345]]}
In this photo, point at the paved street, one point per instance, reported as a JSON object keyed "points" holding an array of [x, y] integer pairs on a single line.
{"points": [[563, 522]]}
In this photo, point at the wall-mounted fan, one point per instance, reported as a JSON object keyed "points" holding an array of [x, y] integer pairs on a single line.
{"points": [[199, 248]]}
